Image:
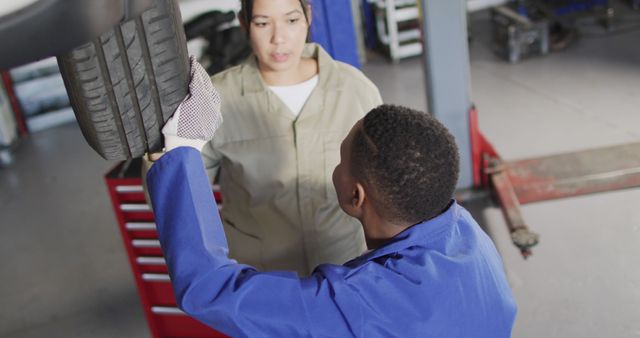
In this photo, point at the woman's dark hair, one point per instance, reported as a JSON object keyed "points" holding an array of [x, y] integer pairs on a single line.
{"points": [[246, 11], [408, 159]]}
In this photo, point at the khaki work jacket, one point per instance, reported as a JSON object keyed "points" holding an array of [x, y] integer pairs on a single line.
{"points": [[280, 208]]}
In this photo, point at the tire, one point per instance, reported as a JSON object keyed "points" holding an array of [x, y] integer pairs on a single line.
{"points": [[125, 84]]}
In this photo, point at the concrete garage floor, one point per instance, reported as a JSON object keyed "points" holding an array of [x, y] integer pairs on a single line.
{"points": [[64, 271]]}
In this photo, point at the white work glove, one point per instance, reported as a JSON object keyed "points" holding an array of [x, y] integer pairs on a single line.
{"points": [[198, 116]]}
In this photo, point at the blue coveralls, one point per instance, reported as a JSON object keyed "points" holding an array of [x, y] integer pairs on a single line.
{"points": [[439, 278]]}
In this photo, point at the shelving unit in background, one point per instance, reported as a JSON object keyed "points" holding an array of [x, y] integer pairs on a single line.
{"points": [[8, 128], [398, 27], [41, 95], [395, 24]]}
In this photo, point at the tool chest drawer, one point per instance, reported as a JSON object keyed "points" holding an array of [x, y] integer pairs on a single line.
{"points": [[141, 230], [174, 323], [151, 264], [158, 287]]}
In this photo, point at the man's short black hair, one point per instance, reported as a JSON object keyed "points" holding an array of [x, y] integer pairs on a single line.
{"points": [[408, 160]]}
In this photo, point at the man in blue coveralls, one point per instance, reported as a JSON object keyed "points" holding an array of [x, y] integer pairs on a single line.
{"points": [[430, 270]]}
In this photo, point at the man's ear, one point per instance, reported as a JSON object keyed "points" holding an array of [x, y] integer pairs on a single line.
{"points": [[359, 196]]}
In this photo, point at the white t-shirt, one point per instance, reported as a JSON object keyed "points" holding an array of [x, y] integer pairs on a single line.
{"points": [[295, 96]]}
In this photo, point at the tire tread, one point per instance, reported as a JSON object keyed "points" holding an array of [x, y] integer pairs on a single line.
{"points": [[124, 85]]}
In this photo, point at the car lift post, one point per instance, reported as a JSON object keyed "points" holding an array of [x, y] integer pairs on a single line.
{"points": [[447, 77], [448, 84]]}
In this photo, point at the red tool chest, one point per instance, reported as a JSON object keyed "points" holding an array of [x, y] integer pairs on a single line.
{"points": [[137, 227]]}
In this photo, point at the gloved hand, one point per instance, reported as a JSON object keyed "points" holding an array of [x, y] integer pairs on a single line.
{"points": [[198, 116]]}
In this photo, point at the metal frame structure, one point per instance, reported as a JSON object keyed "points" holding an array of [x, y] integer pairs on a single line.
{"points": [[447, 73]]}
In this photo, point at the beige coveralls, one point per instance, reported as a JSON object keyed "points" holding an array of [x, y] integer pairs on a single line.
{"points": [[279, 205]]}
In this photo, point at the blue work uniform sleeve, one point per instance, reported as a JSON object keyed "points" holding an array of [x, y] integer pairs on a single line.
{"points": [[230, 297]]}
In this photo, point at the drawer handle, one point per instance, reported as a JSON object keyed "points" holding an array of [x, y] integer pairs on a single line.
{"points": [[140, 226], [150, 260], [165, 310], [129, 188], [145, 243], [155, 277], [135, 207]]}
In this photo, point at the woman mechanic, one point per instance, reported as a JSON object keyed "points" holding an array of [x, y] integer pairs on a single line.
{"points": [[286, 110]]}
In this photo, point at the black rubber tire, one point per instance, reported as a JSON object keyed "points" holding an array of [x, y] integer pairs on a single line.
{"points": [[125, 84]]}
